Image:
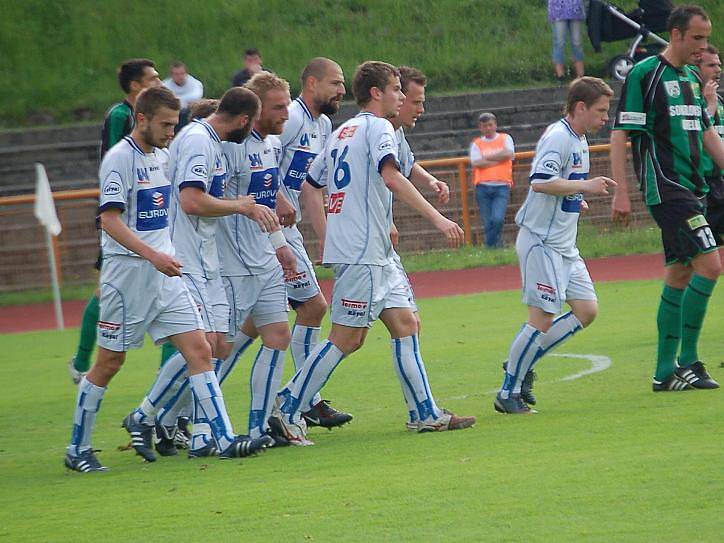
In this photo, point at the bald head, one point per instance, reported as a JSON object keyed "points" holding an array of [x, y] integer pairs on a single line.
{"points": [[322, 86]]}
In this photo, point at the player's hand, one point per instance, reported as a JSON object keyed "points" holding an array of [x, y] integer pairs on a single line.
{"points": [[598, 186], [709, 91], [264, 217], [166, 264], [621, 208], [450, 230], [584, 206], [285, 211], [442, 190], [246, 204], [288, 261], [394, 236]]}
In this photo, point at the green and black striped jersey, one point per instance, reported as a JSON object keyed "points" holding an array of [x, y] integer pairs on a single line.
{"points": [[117, 123], [663, 108], [708, 166]]}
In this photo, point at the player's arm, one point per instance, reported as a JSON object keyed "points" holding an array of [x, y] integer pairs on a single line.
{"points": [[598, 186], [195, 201], [621, 204], [421, 178], [312, 199], [114, 226], [714, 146], [407, 193]]}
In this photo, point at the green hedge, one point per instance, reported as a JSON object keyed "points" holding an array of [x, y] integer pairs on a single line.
{"points": [[61, 56]]}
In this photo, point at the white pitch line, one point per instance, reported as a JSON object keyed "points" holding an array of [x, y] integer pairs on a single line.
{"points": [[598, 363]]}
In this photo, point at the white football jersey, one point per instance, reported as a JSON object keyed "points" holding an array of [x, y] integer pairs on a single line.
{"points": [[136, 182], [405, 154], [196, 160], [360, 205], [560, 153], [254, 171], [301, 141]]}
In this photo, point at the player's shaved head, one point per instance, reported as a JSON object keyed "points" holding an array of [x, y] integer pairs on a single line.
{"points": [[371, 74], [318, 68]]}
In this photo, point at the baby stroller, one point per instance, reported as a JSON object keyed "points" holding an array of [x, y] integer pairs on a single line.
{"points": [[608, 23]]}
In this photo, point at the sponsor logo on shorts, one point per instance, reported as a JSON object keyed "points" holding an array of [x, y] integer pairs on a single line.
{"points": [[347, 132], [299, 280], [336, 200], [109, 330], [355, 308], [547, 292]]}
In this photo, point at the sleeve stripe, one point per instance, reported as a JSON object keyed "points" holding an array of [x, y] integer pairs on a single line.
{"points": [[384, 159], [111, 205], [196, 184], [544, 176], [313, 182]]}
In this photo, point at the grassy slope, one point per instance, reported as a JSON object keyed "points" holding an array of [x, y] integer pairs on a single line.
{"points": [[62, 55], [606, 460]]}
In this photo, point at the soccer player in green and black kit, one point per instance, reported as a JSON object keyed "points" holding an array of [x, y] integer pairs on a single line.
{"points": [[133, 76], [663, 111], [710, 71]]}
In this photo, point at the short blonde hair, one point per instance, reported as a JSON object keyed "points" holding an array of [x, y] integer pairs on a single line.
{"points": [[263, 82]]}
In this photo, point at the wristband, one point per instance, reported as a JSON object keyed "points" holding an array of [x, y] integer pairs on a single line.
{"points": [[277, 239]]}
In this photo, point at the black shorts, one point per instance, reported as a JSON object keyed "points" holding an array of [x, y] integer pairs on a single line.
{"points": [[715, 207], [685, 231]]}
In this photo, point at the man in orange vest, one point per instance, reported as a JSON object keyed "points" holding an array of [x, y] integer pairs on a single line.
{"points": [[491, 156]]}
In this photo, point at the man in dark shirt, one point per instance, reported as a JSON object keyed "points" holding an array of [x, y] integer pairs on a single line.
{"points": [[253, 64], [133, 76]]}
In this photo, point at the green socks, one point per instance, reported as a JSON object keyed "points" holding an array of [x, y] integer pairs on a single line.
{"points": [[87, 341], [668, 321], [693, 309], [167, 350]]}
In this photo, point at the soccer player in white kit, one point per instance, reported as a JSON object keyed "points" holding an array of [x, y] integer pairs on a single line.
{"points": [[254, 264], [552, 270], [303, 138], [198, 171], [360, 166], [141, 287]]}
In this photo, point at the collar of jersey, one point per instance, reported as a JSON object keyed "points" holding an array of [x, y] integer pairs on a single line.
{"points": [[665, 62], [300, 101], [134, 145], [256, 135], [209, 129], [363, 113], [568, 126]]}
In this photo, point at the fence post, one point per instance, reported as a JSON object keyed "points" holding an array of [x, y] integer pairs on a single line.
{"points": [[463, 177]]}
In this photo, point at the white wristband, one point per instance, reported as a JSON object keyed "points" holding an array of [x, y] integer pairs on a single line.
{"points": [[277, 239]]}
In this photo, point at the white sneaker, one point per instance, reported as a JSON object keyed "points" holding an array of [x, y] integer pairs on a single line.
{"points": [[447, 421], [75, 375], [411, 425], [295, 434]]}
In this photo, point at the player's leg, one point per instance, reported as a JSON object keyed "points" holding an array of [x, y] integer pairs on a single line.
{"points": [[79, 364], [266, 373], [668, 323]]}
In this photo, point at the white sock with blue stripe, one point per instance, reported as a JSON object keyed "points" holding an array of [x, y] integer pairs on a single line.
{"points": [[265, 381], [88, 403], [304, 341], [241, 343], [411, 371], [206, 391], [310, 379], [562, 329], [524, 350], [170, 378]]}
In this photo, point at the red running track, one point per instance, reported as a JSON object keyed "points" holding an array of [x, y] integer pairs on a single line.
{"points": [[41, 316]]}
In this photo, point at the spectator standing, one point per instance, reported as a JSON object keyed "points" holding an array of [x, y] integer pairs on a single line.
{"points": [[253, 64], [491, 156], [566, 17], [183, 85]]}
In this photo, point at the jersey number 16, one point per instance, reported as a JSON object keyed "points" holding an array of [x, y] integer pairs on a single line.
{"points": [[341, 175]]}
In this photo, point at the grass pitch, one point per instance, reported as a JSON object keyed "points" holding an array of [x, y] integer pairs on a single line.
{"points": [[605, 460]]}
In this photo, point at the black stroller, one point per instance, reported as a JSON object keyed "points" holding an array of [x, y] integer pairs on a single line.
{"points": [[608, 23]]}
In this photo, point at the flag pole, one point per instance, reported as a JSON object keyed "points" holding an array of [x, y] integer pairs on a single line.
{"points": [[54, 281]]}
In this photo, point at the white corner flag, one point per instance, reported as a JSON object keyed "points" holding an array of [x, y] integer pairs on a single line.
{"points": [[45, 212]]}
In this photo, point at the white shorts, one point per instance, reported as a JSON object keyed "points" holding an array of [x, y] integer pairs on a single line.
{"points": [[137, 298], [262, 297], [304, 285], [410, 293], [361, 292], [210, 298], [548, 278]]}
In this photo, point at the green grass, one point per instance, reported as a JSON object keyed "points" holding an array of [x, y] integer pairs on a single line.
{"points": [[61, 56], [605, 460]]}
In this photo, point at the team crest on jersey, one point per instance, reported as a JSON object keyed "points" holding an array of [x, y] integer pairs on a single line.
{"points": [[672, 88], [577, 160], [695, 88], [304, 141], [255, 161], [142, 175], [347, 132]]}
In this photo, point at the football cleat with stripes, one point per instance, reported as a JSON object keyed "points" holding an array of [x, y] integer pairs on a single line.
{"points": [[324, 415], [696, 375], [447, 421], [141, 438], [166, 440], [244, 446], [514, 405], [207, 450], [86, 462], [526, 388], [672, 384]]}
